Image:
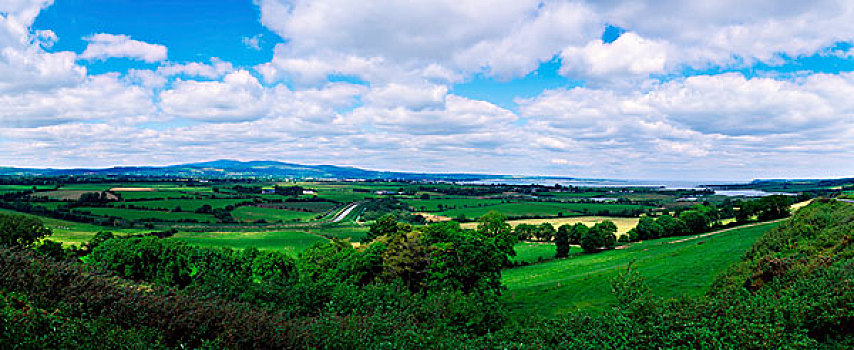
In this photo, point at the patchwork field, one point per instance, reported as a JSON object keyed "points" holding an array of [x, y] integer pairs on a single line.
{"points": [[583, 281], [185, 204]]}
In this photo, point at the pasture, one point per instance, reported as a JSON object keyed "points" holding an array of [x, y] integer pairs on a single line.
{"points": [[671, 266], [185, 204], [289, 242], [252, 214]]}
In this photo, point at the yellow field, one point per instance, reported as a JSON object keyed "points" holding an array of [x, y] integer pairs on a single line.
{"points": [[623, 224], [800, 205]]}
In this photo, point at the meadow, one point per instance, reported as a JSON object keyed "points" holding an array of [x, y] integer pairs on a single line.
{"points": [[623, 224], [147, 215], [672, 267], [251, 214], [289, 242]]}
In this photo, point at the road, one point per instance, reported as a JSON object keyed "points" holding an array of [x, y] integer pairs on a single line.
{"points": [[343, 214]]}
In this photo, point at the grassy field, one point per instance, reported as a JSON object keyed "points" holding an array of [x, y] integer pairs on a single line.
{"points": [[73, 232], [134, 214], [533, 252], [317, 207], [139, 195], [290, 242], [185, 204], [623, 224], [342, 231], [540, 209], [447, 203], [583, 281], [251, 214]]}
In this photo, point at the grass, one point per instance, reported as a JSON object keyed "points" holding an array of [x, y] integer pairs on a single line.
{"points": [[290, 242], [70, 232], [342, 231], [251, 214], [184, 204], [529, 252], [143, 215], [540, 209], [132, 195], [449, 203], [317, 207], [583, 281]]}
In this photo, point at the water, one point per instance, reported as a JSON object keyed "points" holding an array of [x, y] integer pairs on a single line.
{"points": [[749, 193], [551, 181]]}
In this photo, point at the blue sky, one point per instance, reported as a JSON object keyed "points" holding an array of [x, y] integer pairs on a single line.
{"points": [[719, 90]]}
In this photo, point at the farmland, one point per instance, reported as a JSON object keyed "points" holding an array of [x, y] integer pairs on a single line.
{"points": [[307, 247]]}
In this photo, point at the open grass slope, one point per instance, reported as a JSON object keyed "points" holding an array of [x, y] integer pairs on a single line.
{"points": [[583, 281]]}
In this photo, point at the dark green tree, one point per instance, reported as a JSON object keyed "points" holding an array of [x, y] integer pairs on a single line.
{"points": [[21, 231], [562, 241]]}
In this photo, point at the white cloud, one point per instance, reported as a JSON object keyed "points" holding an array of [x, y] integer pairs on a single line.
{"points": [[103, 46], [238, 97], [629, 55], [253, 42]]}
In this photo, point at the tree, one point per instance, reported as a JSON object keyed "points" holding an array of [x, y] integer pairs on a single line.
{"points": [[695, 221], [524, 231], [607, 230], [578, 231], [648, 228], [773, 207], [21, 231], [494, 225], [562, 241], [672, 226], [545, 231], [591, 241], [385, 226], [293, 191], [407, 258]]}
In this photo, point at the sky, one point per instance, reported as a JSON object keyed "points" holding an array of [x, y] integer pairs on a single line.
{"points": [[677, 90]]}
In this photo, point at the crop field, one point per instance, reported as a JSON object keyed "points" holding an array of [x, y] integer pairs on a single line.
{"points": [[290, 242], [582, 281], [251, 214], [147, 215], [66, 195]]}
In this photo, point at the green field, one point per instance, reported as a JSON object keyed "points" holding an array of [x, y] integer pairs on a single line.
{"points": [[541, 209], [143, 215], [317, 207], [290, 242], [138, 195], [583, 281], [342, 231], [251, 214], [73, 232], [185, 204], [530, 252], [433, 204]]}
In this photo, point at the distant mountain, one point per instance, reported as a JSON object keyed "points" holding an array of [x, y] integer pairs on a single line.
{"points": [[233, 168]]}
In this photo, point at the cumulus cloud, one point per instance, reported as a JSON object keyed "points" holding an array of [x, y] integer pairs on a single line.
{"points": [[252, 42], [103, 46], [629, 55]]}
